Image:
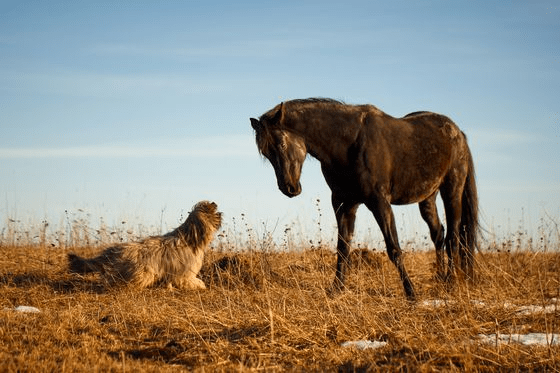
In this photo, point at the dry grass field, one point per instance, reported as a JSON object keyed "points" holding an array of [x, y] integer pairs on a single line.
{"points": [[267, 310]]}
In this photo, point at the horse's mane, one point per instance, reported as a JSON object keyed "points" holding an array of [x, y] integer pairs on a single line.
{"points": [[316, 100], [416, 113], [299, 103], [329, 102]]}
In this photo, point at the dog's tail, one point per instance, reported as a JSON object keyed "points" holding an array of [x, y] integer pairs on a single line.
{"points": [[77, 264]]}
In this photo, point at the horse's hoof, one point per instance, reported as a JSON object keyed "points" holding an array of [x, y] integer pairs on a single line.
{"points": [[410, 294], [335, 289], [450, 278], [440, 277], [411, 298]]}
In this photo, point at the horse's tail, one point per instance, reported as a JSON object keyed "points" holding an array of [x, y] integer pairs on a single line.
{"points": [[77, 264], [469, 229]]}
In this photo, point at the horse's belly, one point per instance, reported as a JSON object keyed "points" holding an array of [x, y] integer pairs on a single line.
{"points": [[401, 189], [414, 193]]}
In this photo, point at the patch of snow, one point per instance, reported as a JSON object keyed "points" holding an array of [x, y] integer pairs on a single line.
{"points": [[364, 344], [533, 309], [478, 303], [530, 339], [434, 303], [24, 309], [552, 307], [529, 310]]}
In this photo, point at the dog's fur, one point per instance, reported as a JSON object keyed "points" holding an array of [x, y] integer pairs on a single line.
{"points": [[173, 259]]}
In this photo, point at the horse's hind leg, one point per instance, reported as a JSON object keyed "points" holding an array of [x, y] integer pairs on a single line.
{"points": [[428, 210], [452, 200], [384, 216]]}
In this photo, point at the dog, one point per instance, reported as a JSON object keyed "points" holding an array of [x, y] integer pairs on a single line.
{"points": [[171, 260]]}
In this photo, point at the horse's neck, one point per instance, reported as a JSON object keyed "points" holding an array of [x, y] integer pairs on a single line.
{"points": [[324, 137]]}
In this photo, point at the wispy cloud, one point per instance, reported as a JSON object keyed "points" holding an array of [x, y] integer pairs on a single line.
{"points": [[109, 85], [219, 146], [499, 137], [502, 146], [246, 48]]}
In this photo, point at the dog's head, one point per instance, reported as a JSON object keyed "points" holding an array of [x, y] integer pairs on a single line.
{"points": [[208, 211], [201, 224]]}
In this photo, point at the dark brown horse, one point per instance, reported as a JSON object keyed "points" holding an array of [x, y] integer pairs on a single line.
{"points": [[370, 157]]}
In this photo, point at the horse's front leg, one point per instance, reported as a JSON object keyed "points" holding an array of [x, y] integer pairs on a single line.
{"points": [[383, 213], [345, 217]]}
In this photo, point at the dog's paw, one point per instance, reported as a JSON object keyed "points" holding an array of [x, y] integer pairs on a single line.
{"points": [[192, 283]]}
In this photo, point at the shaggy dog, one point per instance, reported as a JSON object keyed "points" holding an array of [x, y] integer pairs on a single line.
{"points": [[173, 259]]}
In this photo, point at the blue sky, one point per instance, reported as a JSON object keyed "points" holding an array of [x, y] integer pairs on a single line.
{"points": [[135, 110]]}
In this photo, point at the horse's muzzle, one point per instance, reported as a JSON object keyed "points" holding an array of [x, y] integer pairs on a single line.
{"points": [[291, 190]]}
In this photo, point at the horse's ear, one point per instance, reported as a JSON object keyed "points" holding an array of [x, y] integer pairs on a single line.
{"points": [[277, 119], [256, 124]]}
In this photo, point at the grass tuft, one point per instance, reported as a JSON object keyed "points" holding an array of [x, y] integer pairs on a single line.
{"points": [[268, 309]]}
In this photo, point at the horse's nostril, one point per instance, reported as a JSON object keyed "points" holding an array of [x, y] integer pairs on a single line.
{"points": [[293, 190]]}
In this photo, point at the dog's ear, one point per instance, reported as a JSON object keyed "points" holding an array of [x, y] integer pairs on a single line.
{"points": [[194, 234]]}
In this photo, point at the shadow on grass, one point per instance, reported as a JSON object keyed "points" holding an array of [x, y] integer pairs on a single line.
{"points": [[405, 358], [62, 285], [192, 347]]}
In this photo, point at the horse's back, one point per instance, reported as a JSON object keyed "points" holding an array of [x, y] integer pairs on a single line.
{"points": [[410, 156], [419, 126], [434, 124]]}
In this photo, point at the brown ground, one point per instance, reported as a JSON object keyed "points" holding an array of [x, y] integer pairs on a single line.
{"points": [[269, 311]]}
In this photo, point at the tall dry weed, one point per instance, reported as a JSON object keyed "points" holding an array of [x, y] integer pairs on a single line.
{"points": [[267, 309]]}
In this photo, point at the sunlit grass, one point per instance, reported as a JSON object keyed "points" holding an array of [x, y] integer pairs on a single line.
{"points": [[266, 307]]}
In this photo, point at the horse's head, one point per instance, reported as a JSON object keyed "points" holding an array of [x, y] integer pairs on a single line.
{"points": [[285, 150]]}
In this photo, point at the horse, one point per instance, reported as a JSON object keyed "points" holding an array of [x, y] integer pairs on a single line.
{"points": [[369, 157]]}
